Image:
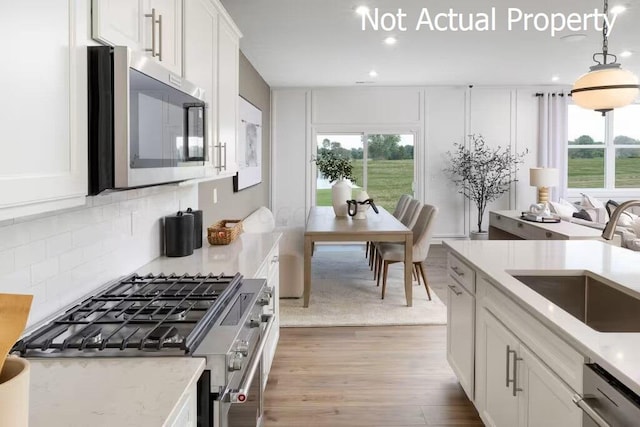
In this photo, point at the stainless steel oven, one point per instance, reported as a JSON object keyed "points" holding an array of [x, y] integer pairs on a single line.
{"points": [[216, 317]]}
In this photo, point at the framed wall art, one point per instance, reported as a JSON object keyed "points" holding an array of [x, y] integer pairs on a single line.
{"points": [[249, 150]]}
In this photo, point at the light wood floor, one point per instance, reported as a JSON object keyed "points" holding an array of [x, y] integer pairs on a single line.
{"points": [[366, 376]]}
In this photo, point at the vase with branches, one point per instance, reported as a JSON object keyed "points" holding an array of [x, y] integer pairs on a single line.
{"points": [[337, 168], [482, 173]]}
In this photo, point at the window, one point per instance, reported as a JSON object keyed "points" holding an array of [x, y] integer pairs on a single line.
{"points": [[604, 152], [383, 164]]}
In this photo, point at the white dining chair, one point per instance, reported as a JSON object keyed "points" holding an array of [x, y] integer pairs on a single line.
{"points": [[390, 253], [401, 207]]}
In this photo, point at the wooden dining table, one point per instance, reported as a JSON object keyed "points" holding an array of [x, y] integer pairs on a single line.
{"points": [[323, 226]]}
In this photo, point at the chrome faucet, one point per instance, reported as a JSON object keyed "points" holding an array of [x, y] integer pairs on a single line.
{"points": [[608, 231]]}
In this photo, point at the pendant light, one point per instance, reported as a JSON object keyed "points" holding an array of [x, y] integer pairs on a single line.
{"points": [[606, 86]]}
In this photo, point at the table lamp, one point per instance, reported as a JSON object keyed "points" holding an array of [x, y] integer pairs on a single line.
{"points": [[543, 178]]}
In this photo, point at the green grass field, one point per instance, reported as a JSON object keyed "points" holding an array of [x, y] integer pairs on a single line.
{"points": [[589, 173], [388, 180]]}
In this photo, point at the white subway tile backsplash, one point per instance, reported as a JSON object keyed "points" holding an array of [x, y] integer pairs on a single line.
{"points": [[13, 235], [32, 253], [72, 259], [44, 270], [16, 282], [59, 244], [7, 262], [61, 256]]}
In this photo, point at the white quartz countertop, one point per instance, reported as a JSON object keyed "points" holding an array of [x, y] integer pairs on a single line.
{"points": [[105, 392], [618, 353], [245, 255]]}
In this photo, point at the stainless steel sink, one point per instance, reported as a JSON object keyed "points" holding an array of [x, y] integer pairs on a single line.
{"points": [[596, 304]]}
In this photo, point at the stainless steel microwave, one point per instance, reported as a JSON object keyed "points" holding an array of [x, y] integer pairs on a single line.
{"points": [[146, 124]]}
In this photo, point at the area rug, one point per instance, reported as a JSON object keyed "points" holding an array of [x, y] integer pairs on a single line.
{"points": [[343, 293]]}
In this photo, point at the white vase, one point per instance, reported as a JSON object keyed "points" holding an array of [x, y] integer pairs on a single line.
{"points": [[474, 235], [340, 193]]}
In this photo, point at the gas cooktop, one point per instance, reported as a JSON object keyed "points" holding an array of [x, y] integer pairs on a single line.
{"points": [[153, 314]]}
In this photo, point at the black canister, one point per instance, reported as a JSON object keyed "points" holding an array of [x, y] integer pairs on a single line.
{"points": [[178, 234], [197, 227]]}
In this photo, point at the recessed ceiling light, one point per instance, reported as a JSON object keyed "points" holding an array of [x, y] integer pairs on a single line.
{"points": [[626, 54], [555, 78], [618, 9], [390, 40], [362, 10], [373, 73], [573, 38]]}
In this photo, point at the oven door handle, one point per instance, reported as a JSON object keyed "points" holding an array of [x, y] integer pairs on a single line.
{"points": [[242, 393]]}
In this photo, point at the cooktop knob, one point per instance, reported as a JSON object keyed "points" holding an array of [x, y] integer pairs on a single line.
{"points": [[255, 321], [235, 361], [242, 347]]}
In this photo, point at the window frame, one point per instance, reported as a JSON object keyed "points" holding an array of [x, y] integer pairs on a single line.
{"points": [[609, 190]]}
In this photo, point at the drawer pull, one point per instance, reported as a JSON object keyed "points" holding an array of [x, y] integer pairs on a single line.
{"points": [[455, 290], [548, 234], [457, 271], [274, 259], [499, 217], [520, 225]]}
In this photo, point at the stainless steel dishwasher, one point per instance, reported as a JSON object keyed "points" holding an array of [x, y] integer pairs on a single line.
{"points": [[606, 401]]}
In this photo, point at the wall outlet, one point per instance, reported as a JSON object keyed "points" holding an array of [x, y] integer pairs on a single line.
{"points": [[215, 196]]}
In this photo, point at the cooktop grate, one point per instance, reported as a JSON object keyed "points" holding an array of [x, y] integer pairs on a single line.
{"points": [[152, 312]]}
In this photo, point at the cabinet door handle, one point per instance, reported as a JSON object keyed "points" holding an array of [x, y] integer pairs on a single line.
{"points": [[219, 149], [274, 259], [160, 38], [520, 225], [498, 217], [457, 271], [455, 290], [224, 147], [152, 15], [516, 359], [508, 380]]}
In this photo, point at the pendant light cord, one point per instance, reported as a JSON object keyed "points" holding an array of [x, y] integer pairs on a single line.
{"points": [[605, 38]]}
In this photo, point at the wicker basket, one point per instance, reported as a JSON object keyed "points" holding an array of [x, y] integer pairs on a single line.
{"points": [[218, 234]]}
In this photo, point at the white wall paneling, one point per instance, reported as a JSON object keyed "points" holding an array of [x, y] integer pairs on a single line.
{"points": [[445, 124], [289, 118], [366, 106], [439, 116]]}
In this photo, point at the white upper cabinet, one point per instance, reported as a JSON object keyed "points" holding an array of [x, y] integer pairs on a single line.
{"points": [[44, 152], [151, 26], [228, 92], [211, 54], [201, 63]]}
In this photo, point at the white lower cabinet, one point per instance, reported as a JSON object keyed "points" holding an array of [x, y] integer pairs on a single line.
{"points": [[460, 335], [514, 387]]}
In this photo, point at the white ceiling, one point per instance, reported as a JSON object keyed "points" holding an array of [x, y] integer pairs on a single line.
{"points": [[320, 43]]}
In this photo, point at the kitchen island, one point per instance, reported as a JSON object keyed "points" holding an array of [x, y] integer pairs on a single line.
{"points": [[545, 340]]}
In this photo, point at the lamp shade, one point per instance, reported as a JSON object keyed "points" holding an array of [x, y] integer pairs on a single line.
{"points": [[544, 177], [606, 88]]}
